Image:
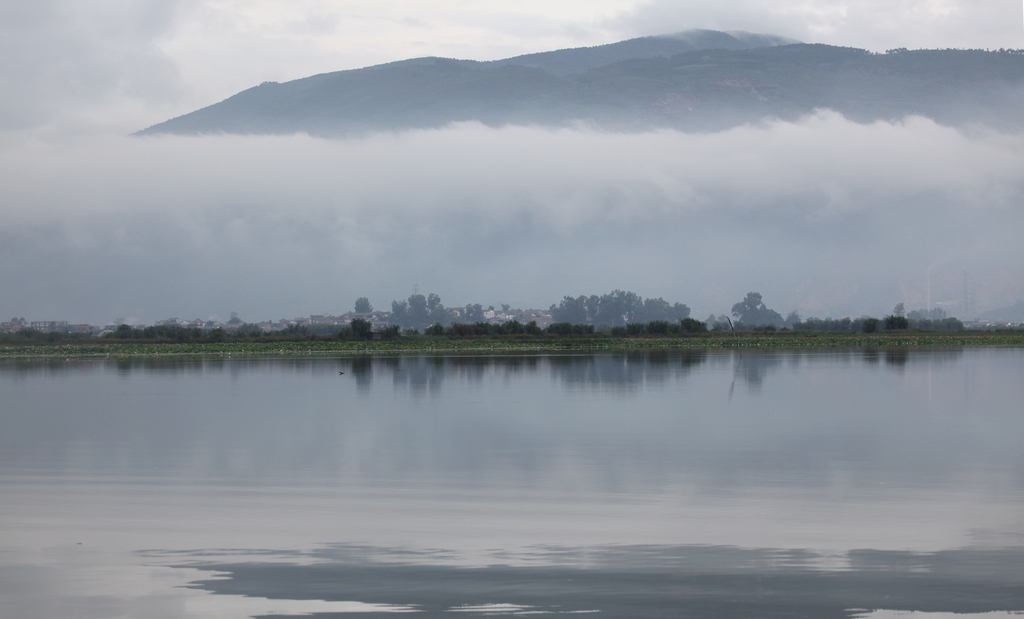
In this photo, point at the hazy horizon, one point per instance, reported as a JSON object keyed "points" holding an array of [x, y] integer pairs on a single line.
{"points": [[275, 226], [821, 215]]}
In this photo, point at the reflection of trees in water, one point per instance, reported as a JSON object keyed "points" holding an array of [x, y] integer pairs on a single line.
{"points": [[425, 372], [362, 372], [420, 374], [898, 358], [415, 371], [626, 368], [750, 368], [429, 372]]}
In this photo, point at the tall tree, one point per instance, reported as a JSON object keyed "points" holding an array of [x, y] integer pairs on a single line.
{"points": [[360, 327], [437, 312], [752, 312], [660, 309], [419, 314], [570, 310], [616, 308], [474, 313], [400, 313], [363, 306]]}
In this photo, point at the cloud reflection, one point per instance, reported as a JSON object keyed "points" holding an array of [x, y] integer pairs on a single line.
{"points": [[704, 581]]}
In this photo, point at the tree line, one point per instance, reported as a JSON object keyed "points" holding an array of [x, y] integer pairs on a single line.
{"points": [[752, 314], [616, 314], [617, 308]]}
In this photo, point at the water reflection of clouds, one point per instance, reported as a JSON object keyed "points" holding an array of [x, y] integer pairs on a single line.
{"points": [[995, 563], [657, 581]]}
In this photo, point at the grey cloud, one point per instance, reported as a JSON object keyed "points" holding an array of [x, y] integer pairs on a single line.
{"points": [[65, 59], [657, 17], [873, 24], [824, 215]]}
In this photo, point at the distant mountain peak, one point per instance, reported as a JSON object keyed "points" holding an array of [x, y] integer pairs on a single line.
{"points": [[692, 80], [580, 59]]}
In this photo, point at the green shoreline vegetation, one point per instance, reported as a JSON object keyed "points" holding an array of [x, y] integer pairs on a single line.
{"points": [[584, 340]]}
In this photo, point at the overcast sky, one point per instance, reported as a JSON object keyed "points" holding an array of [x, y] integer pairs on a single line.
{"points": [[95, 225]]}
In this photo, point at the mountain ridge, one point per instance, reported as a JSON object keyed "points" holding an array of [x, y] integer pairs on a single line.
{"points": [[696, 89]]}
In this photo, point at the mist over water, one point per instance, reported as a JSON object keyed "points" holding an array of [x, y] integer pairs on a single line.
{"points": [[825, 216]]}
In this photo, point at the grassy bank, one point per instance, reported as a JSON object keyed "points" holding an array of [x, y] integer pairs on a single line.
{"points": [[93, 347]]}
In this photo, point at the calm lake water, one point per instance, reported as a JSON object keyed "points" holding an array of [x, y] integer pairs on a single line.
{"points": [[670, 484]]}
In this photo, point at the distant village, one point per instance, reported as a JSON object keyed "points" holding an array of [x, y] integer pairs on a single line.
{"points": [[378, 319], [616, 308]]}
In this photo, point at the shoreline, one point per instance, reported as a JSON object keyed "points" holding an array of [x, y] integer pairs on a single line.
{"points": [[483, 345]]}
